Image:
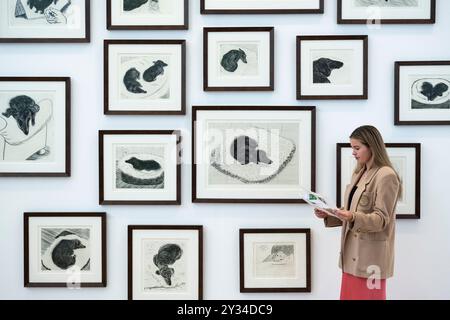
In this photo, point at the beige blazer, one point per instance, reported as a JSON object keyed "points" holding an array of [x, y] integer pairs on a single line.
{"points": [[367, 243]]}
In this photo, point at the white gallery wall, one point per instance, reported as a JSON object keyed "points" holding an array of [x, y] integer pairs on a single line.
{"points": [[422, 246]]}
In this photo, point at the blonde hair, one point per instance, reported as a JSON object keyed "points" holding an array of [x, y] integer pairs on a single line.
{"points": [[371, 138]]}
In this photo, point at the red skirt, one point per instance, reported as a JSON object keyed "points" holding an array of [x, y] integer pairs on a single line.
{"points": [[356, 288]]}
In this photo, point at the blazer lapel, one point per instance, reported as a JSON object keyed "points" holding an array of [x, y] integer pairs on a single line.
{"points": [[360, 191]]}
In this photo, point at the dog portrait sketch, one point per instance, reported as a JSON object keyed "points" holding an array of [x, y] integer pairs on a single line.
{"points": [[274, 260], [238, 59], [250, 153], [145, 77], [165, 266], [62, 249], [26, 126], [50, 12], [322, 69], [139, 167], [430, 93], [141, 6]]}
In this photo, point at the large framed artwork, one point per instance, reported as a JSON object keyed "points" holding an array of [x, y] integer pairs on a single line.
{"points": [[238, 59], [44, 21], [64, 249], [260, 154], [332, 67], [140, 167], [422, 93], [260, 7], [386, 11], [35, 126], [147, 14], [145, 77], [165, 262], [405, 158], [275, 260]]}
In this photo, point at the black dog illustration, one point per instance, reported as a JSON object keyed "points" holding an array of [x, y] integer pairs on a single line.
{"points": [[131, 81], [63, 254], [154, 71], [243, 149], [432, 92], [40, 5], [322, 69], [230, 59], [129, 5], [140, 165], [167, 255], [24, 110]]}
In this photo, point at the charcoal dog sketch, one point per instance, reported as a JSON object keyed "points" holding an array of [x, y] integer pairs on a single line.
{"points": [[139, 167], [26, 126], [238, 59], [386, 3], [322, 69], [230, 59], [62, 249], [164, 265], [167, 255], [154, 71], [251, 154], [143, 5], [431, 93], [44, 11], [274, 260], [145, 77], [331, 66], [131, 81]]}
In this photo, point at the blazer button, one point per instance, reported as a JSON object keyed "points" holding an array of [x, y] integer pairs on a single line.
{"points": [[359, 230], [356, 236], [353, 259]]}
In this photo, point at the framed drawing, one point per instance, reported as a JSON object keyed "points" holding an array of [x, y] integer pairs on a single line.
{"points": [[145, 77], [64, 249], [147, 14], [35, 126], [405, 158], [140, 167], [386, 11], [44, 21], [332, 67], [260, 7], [238, 59], [245, 154], [275, 260], [165, 262], [422, 93]]}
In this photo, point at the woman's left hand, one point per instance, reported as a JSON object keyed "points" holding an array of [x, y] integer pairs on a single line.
{"points": [[344, 214]]}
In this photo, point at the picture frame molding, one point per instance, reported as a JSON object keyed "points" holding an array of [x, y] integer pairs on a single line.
{"points": [[242, 232], [26, 248]]}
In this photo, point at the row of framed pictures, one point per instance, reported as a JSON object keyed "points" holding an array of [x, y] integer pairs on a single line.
{"points": [[164, 262], [69, 20]]}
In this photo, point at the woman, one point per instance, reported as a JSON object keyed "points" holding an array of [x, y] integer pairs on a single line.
{"points": [[367, 219]]}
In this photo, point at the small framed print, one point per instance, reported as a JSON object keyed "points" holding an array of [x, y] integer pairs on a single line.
{"points": [[386, 11], [35, 126], [140, 167], [64, 249], [405, 158], [422, 93], [145, 77], [260, 7], [275, 260], [44, 21], [165, 262], [147, 14], [332, 67], [245, 154], [238, 59]]}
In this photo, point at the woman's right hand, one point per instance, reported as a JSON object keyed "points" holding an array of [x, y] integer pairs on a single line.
{"points": [[320, 213]]}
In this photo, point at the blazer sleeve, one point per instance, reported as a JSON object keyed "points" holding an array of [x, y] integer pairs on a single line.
{"points": [[331, 222], [383, 211]]}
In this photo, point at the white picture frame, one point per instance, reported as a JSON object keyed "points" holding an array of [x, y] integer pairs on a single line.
{"points": [[178, 275]]}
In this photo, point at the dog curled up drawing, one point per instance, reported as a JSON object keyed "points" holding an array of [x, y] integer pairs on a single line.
{"points": [[322, 69]]}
